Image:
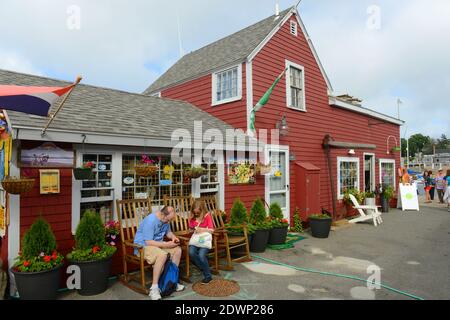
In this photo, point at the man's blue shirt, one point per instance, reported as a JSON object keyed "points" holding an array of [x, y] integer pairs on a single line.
{"points": [[151, 228]]}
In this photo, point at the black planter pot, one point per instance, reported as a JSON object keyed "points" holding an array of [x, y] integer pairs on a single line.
{"points": [[38, 285], [83, 174], [384, 205], [259, 241], [278, 235], [320, 228], [94, 276]]}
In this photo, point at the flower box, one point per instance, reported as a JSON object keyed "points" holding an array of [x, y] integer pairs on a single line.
{"points": [[145, 170], [17, 185]]}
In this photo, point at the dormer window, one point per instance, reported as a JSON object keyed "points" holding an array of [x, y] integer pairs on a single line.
{"points": [[294, 28], [227, 85]]}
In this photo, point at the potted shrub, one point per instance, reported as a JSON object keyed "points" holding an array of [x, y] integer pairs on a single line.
{"points": [[92, 254], [238, 216], [279, 230], [320, 225], [85, 172], [262, 226], [387, 193], [370, 198], [38, 267], [348, 202]]}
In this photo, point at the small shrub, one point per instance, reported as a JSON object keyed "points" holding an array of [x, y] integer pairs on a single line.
{"points": [[320, 216], [258, 212], [239, 213], [298, 224], [360, 196], [38, 249], [275, 211]]}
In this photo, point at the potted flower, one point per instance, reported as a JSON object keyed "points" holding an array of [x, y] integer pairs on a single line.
{"points": [[387, 193], [351, 211], [112, 231], [279, 230], [92, 254], [195, 172], [147, 167], [320, 225], [85, 172], [38, 267], [369, 198], [258, 218]]}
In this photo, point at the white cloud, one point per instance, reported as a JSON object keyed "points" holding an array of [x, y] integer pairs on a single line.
{"points": [[126, 45]]}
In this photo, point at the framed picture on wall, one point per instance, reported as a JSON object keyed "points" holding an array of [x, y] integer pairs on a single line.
{"points": [[241, 171], [47, 155]]}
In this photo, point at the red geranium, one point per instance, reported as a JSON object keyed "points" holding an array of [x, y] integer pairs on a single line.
{"points": [[96, 249], [26, 263], [47, 259], [54, 255]]}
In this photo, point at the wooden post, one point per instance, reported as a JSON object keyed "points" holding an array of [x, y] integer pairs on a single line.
{"points": [[52, 116]]}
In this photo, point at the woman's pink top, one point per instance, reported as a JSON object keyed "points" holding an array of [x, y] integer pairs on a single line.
{"points": [[206, 223]]}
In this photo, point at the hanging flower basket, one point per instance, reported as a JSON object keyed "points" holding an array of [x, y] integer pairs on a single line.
{"points": [[17, 185], [263, 169], [145, 170], [396, 149], [83, 174], [195, 172]]}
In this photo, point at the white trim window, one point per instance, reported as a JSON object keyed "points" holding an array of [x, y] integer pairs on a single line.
{"points": [[387, 172], [295, 86], [347, 175], [227, 85]]}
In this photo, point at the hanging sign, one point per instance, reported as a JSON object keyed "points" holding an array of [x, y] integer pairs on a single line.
{"points": [[47, 155], [407, 198]]}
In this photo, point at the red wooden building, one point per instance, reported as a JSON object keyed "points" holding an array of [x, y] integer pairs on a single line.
{"points": [[228, 77]]}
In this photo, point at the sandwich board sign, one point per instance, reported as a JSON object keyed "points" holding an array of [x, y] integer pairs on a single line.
{"points": [[408, 199]]}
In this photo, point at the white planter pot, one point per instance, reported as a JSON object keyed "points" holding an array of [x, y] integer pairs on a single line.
{"points": [[370, 201]]}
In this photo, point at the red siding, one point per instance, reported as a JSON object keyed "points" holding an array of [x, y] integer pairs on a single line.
{"points": [[306, 129]]}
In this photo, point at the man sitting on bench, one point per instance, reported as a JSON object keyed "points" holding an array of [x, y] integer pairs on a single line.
{"points": [[150, 235]]}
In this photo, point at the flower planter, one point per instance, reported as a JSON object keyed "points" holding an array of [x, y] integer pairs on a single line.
{"points": [[17, 186], [384, 205], [145, 170], [38, 285], [259, 241], [278, 235], [320, 228], [370, 202], [94, 276], [83, 174]]}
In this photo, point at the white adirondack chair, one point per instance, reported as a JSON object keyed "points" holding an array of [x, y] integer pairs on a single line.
{"points": [[366, 213]]}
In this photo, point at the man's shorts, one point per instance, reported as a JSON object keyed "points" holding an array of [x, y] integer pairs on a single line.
{"points": [[152, 253]]}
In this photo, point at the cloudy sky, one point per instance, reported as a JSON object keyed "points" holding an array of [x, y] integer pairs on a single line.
{"points": [[377, 50]]}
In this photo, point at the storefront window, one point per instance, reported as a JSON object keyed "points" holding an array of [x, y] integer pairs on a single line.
{"points": [[97, 194], [387, 172], [348, 175], [169, 180]]}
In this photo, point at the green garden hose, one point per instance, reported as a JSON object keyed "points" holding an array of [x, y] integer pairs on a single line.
{"points": [[338, 275]]}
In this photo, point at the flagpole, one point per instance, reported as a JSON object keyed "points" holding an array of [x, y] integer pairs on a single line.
{"points": [[52, 116]]}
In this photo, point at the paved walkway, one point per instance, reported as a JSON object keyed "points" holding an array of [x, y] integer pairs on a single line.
{"points": [[412, 249]]}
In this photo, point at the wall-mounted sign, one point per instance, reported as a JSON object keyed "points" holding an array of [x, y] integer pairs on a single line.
{"points": [[128, 180], [49, 181], [48, 155], [241, 172]]}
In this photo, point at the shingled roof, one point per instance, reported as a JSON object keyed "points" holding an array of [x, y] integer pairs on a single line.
{"points": [[92, 109], [232, 49]]}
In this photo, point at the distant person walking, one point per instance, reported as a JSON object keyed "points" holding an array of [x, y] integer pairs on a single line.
{"points": [[427, 181], [440, 185], [433, 185]]}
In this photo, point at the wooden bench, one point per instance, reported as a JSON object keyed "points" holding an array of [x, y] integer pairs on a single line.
{"points": [[130, 214]]}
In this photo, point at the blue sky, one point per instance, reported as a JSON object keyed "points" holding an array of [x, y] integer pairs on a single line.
{"points": [[377, 50]]}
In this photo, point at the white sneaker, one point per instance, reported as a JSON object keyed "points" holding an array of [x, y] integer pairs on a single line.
{"points": [[180, 287], [155, 294]]}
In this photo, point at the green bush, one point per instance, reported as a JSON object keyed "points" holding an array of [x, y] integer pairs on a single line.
{"points": [[258, 212], [298, 225], [275, 211], [38, 249], [319, 216], [360, 196], [39, 238], [90, 242], [388, 192], [239, 213]]}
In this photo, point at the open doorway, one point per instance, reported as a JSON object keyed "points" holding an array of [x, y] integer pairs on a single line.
{"points": [[369, 172]]}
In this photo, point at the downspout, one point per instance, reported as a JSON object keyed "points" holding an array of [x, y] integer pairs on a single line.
{"points": [[326, 146]]}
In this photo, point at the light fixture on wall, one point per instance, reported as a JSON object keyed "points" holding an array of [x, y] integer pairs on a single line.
{"points": [[283, 126], [351, 152]]}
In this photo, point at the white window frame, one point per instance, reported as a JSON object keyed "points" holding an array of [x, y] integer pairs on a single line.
{"points": [[381, 161], [338, 180], [215, 102], [290, 64], [293, 26]]}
